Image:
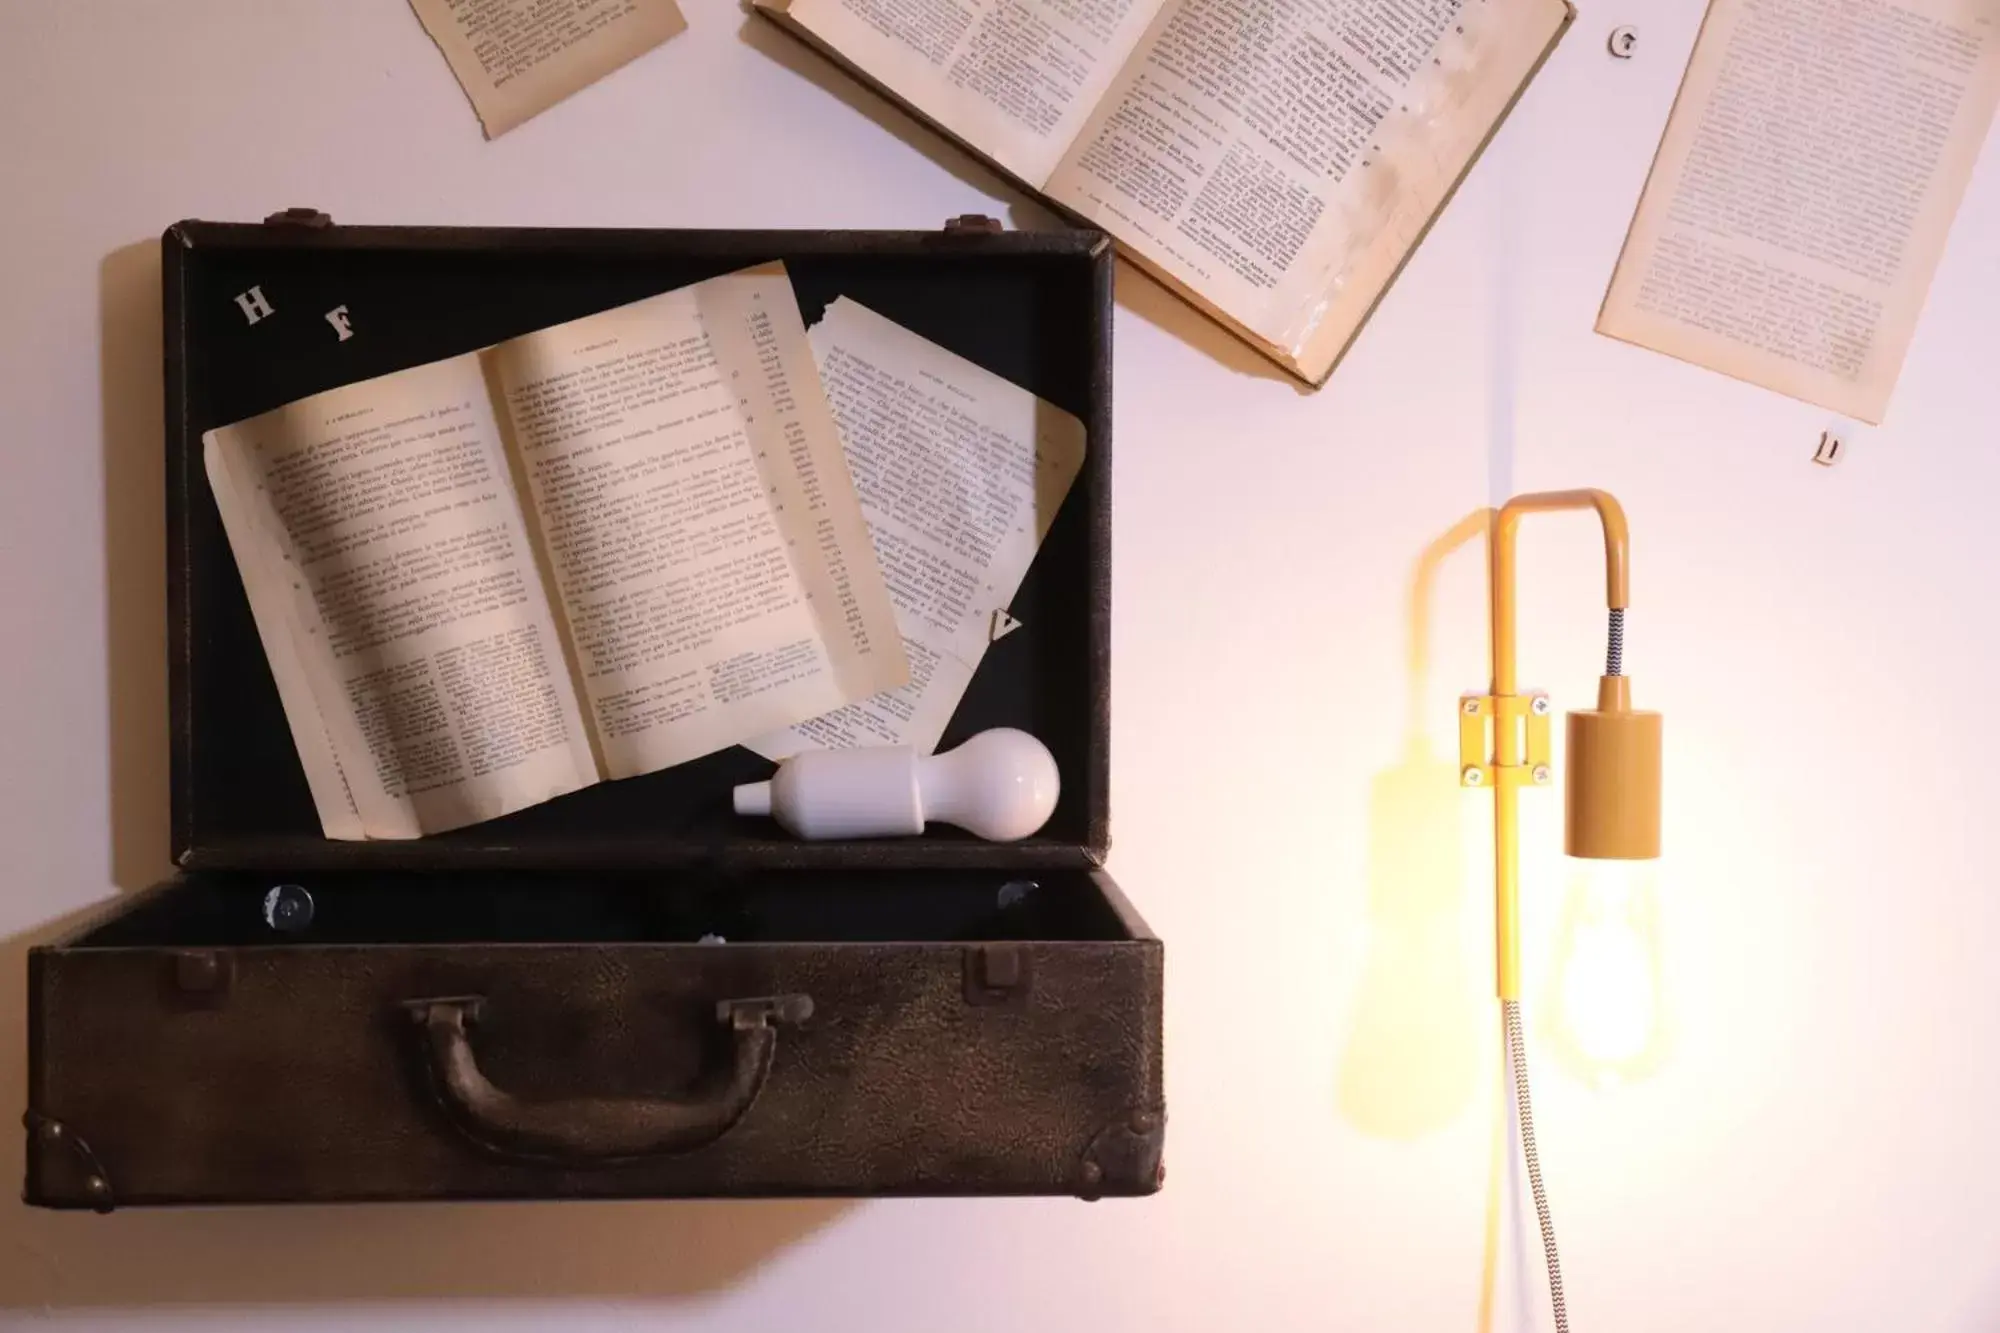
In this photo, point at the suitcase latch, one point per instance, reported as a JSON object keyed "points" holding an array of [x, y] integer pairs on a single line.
{"points": [[309, 218], [972, 224], [996, 973]]}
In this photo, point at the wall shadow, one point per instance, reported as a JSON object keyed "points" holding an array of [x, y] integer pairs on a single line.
{"points": [[1159, 305], [1414, 1052], [135, 548], [400, 1252], [264, 1255], [854, 91], [1414, 1055]]}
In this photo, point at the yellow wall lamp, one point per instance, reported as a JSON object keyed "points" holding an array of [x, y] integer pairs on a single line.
{"points": [[1613, 806]]}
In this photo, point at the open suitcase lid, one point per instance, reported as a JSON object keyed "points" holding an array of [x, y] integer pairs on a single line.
{"points": [[1033, 307]]}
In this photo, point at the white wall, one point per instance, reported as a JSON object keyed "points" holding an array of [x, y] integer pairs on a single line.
{"points": [[1816, 1148]]}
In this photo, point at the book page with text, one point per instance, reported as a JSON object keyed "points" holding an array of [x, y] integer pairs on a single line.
{"points": [[707, 551], [1015, 79], [279, 632], [960, 474], [1804, 189], [517, 58], [1281, 158], [389, 570]]}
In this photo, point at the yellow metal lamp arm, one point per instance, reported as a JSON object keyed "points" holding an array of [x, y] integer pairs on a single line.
{"points": [[1613, 806], [1617, 564]]}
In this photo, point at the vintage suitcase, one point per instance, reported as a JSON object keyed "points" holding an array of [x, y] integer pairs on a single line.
{"points": [[629, 992]]}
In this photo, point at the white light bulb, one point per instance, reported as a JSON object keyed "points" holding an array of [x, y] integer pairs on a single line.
{"points": [[1000, 785]]}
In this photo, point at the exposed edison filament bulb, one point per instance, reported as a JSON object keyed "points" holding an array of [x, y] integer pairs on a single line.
{"points": [[1608, 1018]]}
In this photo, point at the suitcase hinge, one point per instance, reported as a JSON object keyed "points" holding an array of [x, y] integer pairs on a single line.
{"points": [[50, 1142], [1125, 1157], [972, 224], [996, 973], [309, 218]]}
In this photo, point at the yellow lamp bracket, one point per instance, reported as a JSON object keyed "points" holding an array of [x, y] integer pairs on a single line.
{"points": [[1483, 760]]}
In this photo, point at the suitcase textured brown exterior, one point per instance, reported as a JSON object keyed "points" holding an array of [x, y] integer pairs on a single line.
{"points": [[631, 991]]}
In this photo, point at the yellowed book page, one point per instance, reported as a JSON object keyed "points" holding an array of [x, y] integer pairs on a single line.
{"points": [[264, 581], [1015, 79], [708, 552], [1804, 188], [960, 473], [517, 58], [1282, 157], [394, 587]]}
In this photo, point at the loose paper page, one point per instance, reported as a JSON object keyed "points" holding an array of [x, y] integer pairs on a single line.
{"points": [[1281, 158], [517, 58], [389, 571], [1803, 191], [960, 474], [1014, 79], [708, 553]]}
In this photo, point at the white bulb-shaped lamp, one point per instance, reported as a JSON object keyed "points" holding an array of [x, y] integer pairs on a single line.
{"points": [[1000, 785]]}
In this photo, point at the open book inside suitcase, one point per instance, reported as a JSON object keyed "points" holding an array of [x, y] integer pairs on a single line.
{"points": [[630, 990]]}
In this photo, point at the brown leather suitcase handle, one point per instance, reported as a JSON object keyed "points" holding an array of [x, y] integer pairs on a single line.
{"points": [[598, 1129]]}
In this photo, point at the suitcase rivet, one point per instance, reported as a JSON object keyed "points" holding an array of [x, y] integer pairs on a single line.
{"points": [[1143, 1123], [1093, 1175], [52, 1130], [1014, 891], [288, 907], [96, 1185]]}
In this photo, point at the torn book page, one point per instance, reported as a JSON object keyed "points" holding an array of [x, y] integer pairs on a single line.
{"points": [[960, 474], [517, 58]]}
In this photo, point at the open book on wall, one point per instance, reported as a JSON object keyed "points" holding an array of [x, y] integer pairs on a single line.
{"points": [[1273, 161]]}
